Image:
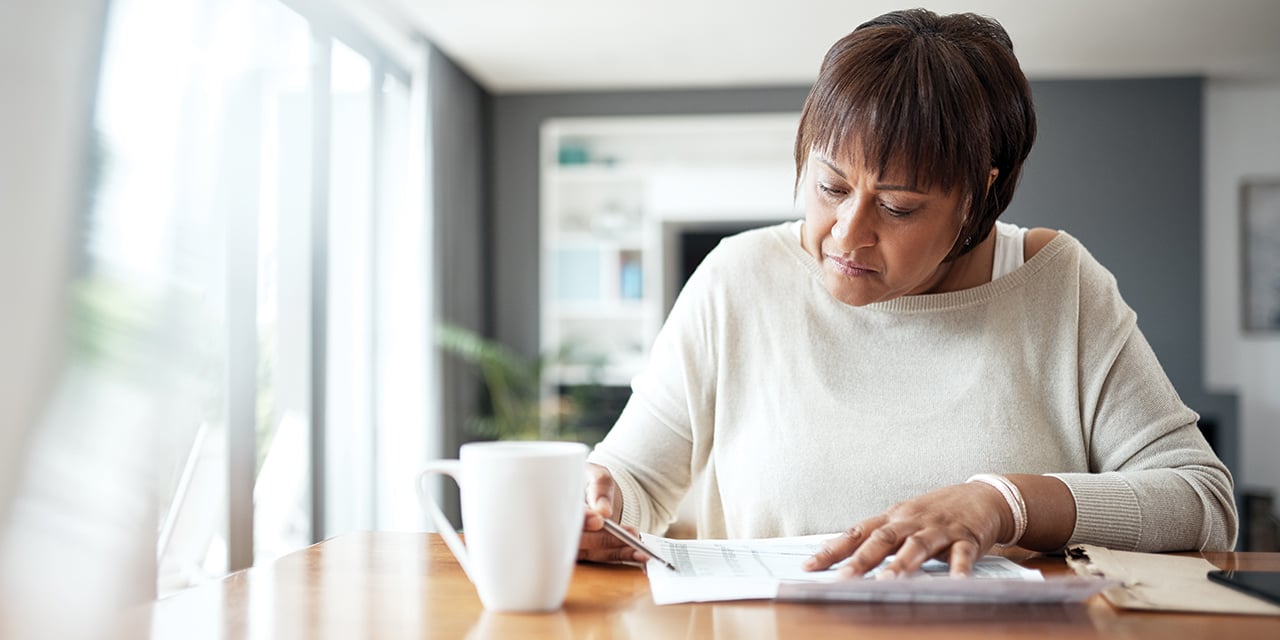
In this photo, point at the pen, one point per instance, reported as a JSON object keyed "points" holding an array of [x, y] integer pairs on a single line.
{"points": [[634, 542]]}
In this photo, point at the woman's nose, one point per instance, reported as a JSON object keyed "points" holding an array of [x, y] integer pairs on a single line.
{"points": [[854, 226]]}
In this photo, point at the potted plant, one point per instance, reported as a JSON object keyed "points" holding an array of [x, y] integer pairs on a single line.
{"points": [[518, 409]]}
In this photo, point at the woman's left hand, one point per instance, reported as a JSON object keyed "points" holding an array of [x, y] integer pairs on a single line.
{"points": [[957, 524]]}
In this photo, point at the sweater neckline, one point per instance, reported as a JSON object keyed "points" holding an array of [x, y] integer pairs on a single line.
{"points": [[980, 294]]}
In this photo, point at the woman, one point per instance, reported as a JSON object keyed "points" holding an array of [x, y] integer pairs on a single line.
{"points": [[897, 365]]}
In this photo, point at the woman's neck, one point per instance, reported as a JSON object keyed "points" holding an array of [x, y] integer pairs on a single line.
{"points": [[970, 270]]}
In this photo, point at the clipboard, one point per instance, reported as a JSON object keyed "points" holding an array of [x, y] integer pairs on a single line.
{"points": [[1162, 582]]}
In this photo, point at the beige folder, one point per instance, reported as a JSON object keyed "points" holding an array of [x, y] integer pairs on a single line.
{"points": [[1163, 582]]}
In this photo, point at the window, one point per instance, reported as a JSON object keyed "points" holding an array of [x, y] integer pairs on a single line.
{"points": [[257, 219]]}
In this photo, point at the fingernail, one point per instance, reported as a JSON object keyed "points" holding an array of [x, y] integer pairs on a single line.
{"points": [[810, 564], [887, 574], [846, 572]]}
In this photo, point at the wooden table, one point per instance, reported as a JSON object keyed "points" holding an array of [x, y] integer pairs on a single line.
{"points": [[407, 585]]}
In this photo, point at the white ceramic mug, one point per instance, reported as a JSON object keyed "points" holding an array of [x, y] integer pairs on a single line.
{"points": [[522, 510]]}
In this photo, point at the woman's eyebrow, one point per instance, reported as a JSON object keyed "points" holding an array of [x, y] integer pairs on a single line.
{"points": [[830, 164], [899, 187], [881, 186]]}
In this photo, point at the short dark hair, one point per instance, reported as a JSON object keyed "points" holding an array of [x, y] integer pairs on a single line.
{"points": [[942, 97]]}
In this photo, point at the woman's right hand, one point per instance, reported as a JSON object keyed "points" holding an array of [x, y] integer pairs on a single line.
{"points": [[604, 501]]}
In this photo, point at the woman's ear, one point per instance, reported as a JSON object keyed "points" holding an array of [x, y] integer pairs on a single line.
{"points": [[991, 177]]}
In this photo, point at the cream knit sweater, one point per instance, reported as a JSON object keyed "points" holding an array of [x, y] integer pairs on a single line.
{"points": [[805, 415]]}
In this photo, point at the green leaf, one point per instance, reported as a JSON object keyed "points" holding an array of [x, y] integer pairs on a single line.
{"points": [[513, 383]]}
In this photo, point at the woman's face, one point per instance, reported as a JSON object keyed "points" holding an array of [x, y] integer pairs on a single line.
{"points": [[874, 236]]}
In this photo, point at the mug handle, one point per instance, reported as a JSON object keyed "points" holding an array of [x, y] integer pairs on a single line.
{"points": [[451, 468]]}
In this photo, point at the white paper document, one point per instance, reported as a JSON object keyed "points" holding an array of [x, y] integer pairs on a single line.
{"points": [[713, 570]]}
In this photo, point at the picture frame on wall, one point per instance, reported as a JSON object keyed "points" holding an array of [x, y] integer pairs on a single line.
{"points": [[1260, 255]]}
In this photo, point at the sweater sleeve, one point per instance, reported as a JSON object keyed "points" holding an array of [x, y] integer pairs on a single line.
{"points": [[648, 459], [1153, 482], [653, 449]]}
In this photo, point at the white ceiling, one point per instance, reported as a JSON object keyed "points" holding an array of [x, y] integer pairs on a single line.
{"points": [[513, 46]]}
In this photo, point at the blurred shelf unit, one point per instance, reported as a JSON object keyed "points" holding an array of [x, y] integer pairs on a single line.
{"points": [[615, 193]]}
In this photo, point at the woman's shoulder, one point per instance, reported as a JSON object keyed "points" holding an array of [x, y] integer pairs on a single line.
{"points": [[1053, 260], [1062, 261], [766, 232], [747, 260], [1059, 257], [753, 246], [1036, 239]]}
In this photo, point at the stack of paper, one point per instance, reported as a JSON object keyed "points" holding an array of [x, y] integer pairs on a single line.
{"points": [[713, 570]]}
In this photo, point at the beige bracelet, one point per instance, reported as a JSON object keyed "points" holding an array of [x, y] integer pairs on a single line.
{"points": [[1011, 495]]}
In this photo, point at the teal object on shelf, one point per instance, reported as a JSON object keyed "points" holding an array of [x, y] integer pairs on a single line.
{"points": [[570, 153]]}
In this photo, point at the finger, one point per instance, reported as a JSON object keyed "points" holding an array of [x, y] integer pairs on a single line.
{"points": [[625, 554], [963, 554], [597, 540], [881, 542], [604, 547], [640, 555], [600, 490], [592, 521], [915, 550], [840, 547]]}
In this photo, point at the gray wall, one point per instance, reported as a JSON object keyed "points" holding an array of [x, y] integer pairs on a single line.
{"points": [[1117, 164], [458, 110]]}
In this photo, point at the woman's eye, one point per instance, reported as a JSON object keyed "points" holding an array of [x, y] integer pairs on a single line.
{"points": [[895, 211], [829, 190]]}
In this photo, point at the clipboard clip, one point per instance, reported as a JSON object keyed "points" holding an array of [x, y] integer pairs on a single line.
{"points": [[1079, 560]]}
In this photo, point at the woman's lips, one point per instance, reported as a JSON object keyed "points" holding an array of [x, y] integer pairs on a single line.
{"points": [[850, 268]]}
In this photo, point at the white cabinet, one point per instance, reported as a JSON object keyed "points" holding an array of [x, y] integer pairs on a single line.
{"points": [[615, 193]]}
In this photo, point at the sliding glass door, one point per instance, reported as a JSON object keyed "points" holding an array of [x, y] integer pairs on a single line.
{"points": [[256, 217]]}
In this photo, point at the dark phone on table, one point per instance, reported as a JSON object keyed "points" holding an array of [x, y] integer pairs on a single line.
{"points": [[1262, 584]]}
